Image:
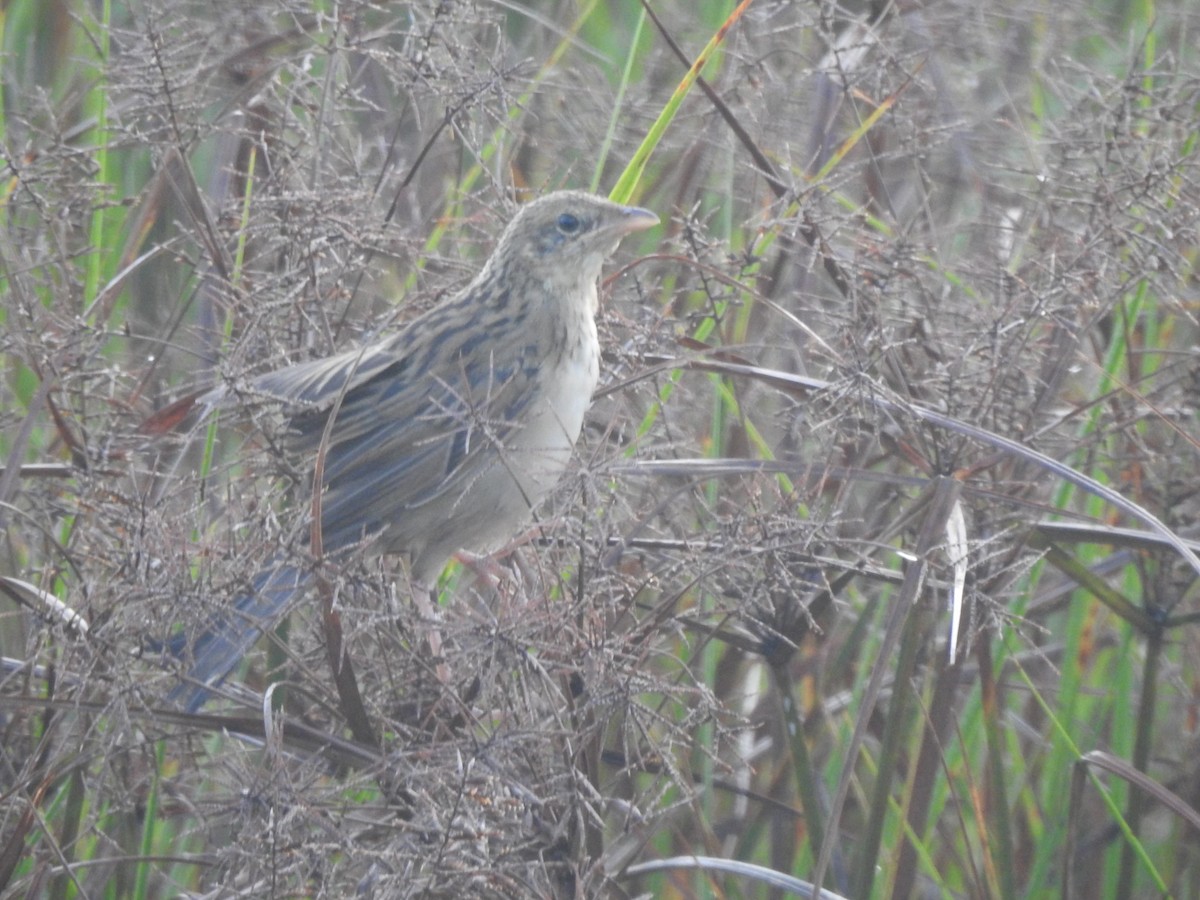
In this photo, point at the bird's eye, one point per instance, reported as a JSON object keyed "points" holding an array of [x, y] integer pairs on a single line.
{"points": [[568, 224]]}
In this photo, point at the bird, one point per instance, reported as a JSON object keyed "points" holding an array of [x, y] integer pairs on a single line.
{"points": [[445, 435]]}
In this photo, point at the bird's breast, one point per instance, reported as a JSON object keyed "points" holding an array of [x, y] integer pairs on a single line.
{"points": [[566, 381]]}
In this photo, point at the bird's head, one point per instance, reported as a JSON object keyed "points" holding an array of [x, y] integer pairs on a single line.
{"points": [[569, 233]]}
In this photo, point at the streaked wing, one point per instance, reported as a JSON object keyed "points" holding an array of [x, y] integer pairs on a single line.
{"points": [[318, 383], [401, 440]]}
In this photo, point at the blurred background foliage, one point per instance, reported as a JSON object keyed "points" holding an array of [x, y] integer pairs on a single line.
{"points": [[919, 334]]}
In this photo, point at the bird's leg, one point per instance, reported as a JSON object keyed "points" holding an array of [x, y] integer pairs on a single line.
{"points": [[426, 601], [483, 566]]}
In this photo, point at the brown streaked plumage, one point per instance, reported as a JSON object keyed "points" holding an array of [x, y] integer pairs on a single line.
{"points": [[448, 433]]}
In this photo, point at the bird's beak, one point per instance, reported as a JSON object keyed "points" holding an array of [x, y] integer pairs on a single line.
{"points": [[634, 218]]}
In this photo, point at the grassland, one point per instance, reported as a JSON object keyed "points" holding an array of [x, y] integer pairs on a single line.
{"points": [[877, 567]]}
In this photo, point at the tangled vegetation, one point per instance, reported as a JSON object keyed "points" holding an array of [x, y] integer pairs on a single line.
{"points": [[877, 565]]}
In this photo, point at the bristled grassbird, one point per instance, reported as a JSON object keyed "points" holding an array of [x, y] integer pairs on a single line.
{"points": [[446, 434]]}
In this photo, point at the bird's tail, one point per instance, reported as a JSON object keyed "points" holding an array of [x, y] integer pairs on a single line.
{"points": [[229, 635]]}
